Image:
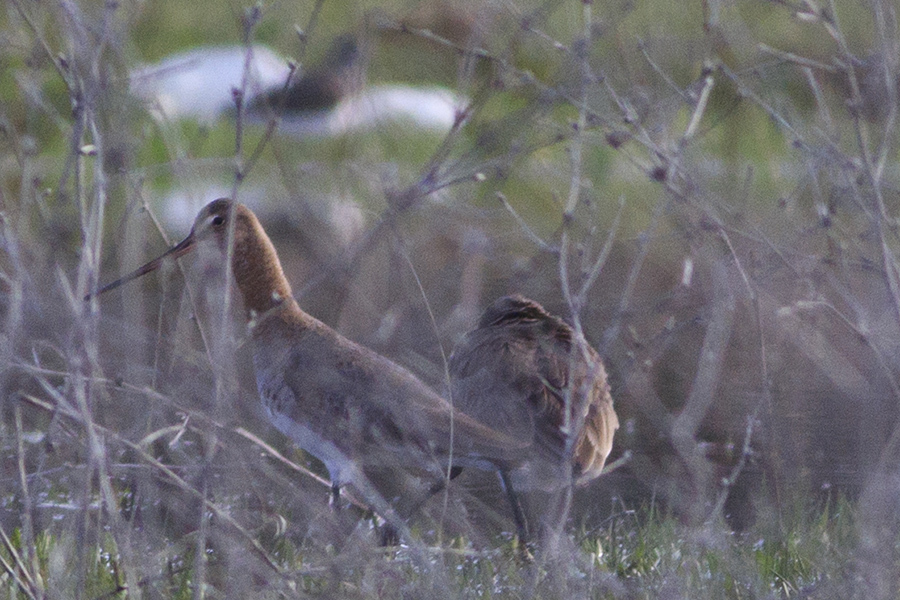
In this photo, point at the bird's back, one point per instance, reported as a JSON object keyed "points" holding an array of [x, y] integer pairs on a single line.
{"points": [[357, 408]]}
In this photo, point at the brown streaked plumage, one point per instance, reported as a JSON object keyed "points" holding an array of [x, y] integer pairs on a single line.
{"points": [[515, 373], [350, 407]]}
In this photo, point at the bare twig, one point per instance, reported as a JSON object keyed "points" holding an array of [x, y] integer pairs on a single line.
{"points": [[597, 267], [699, 109], [220, 513], [529, 232], [25, 583], [27, 536]]}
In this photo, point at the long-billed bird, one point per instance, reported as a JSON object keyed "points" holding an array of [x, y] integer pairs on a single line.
{"points": [[348, 406]]}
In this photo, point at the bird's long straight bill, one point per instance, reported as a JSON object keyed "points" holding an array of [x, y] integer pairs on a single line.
{"points": [[180, 249]]}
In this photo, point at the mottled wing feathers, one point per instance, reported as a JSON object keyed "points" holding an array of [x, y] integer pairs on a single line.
{"points": [[516, 373], [376, 409], [600, 427]]}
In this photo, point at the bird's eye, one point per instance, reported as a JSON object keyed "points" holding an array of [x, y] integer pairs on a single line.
{"points": [[218, 220]]}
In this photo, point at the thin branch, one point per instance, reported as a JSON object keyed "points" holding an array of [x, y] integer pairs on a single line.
{"points": [[529, 232], [59, 408], [27, 535], [597, 267], [699, 109], [27, 585], [802, 61]]}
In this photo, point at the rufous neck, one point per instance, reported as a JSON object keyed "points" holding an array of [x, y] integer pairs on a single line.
{"points": [[259, 276]]}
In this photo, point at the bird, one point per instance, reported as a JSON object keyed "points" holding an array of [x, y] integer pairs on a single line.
{"points": [[199, 83], [350, 407], [330, 99], [333, 98], [339, 74], [516, 372]]}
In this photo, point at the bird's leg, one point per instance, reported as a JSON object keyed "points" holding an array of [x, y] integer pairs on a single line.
{"points": [[389, 535], [335, 498], [553, 521], [394, 527], [516, 506], [439, 486]]}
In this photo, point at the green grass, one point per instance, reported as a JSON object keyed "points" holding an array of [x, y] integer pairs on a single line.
{"points": [[643, 551]]}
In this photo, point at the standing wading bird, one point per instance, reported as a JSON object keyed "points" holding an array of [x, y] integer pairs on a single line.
{"points": [[348, 406], [516, 373]]}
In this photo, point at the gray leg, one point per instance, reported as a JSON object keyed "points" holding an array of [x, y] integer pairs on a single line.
{"points": [[335, 499], [516, 506], [389, 536]]}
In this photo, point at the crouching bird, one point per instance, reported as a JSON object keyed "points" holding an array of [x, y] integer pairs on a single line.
{"points": [[524, 373]]}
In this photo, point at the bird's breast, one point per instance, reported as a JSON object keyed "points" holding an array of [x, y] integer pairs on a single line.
{"points": [[306, 433]]}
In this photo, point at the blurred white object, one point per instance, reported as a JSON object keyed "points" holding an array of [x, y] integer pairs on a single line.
{"points": [[335, 210], [198, 83], [432, 108]]}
